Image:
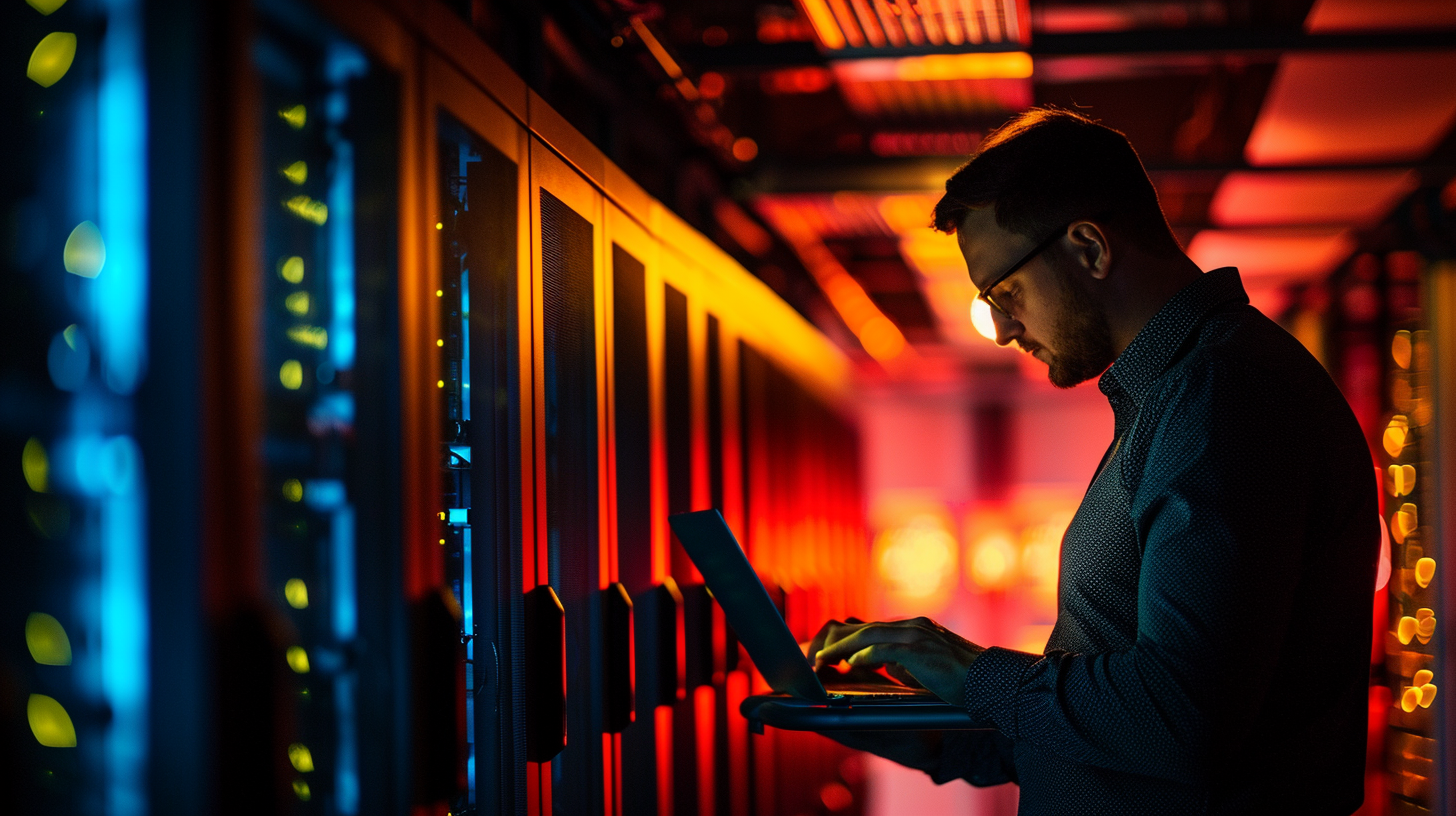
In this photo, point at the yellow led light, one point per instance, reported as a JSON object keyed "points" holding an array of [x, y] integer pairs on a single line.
{"points": [[1400, 349], [35, 465], [1404, 522], [291, 270], [1393, 440], [1423, 677], [440, 384], [300, 789], [1425, 571], [1425, 629], [293, 490], [291, 375], [442, 515], [298, 303], [45, 7], [297, 659], [440, 342], [315, 337], [85, 251], [296, 172], [46, 638], [49, 722], [309, 209], [439, 293], [51, 58], [1405, 630], [439, 225], [1428, 695], [296, 592], [1409, 699], [300, 757], [442, 542], [296, 116]]}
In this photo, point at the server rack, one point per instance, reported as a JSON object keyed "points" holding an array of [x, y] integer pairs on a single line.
{"points": [[408, 489]]}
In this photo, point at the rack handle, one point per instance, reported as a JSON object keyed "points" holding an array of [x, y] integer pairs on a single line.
{"points": [[545, 667], [619, 688]]}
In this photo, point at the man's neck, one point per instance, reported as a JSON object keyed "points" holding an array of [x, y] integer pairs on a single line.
{"points": [[1147, 284]]}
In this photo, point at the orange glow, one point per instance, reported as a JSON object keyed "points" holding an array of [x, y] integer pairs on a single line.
{"points": [[1357, 197], [1428, 695], [1348, 108], [804, 80], [880, 337], [1409, 699], [706, 738], [745, 149], [1425, 571], [711, 85], [1007, 65], [1283, 255], [822, 19], [916, 561], [1405, 630], [1423, 677], [990, 561], [1400, 348]]}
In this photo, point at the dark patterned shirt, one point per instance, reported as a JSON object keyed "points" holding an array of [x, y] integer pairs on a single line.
{"points": [[1212, 646]]}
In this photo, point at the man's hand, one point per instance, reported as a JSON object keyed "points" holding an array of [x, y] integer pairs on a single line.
{"points": [[931, 654]]}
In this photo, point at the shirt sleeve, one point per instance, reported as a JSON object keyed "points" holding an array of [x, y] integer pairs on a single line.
{"points": [[1217, 506], [982, 758]]}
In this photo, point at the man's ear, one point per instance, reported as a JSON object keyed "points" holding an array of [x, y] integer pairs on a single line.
{"points": [[1091, 249]]}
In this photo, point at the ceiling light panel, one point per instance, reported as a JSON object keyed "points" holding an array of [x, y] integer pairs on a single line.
{"points": [[913, 23], [1355, 108], [1355, 198]]}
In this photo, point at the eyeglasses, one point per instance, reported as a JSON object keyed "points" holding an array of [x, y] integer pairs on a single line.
{"points": [[985, 294]]}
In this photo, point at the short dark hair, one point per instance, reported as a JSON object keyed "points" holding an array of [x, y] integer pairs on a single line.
{"points": [[1048, 166]]}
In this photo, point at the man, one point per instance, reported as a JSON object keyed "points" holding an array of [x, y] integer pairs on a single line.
{"points": [[1212, 640]]}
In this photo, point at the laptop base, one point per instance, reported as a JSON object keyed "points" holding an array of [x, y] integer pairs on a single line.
{"points": [[861, 714]]}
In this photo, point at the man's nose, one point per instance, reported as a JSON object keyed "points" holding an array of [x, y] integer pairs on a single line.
{"points": [[1007, 328]]}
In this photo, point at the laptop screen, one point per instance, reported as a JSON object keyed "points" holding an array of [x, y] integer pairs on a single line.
{"points": [[746, 604]]}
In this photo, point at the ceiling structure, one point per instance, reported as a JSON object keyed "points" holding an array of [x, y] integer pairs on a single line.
{"points": [[1275, 132], [1280, 134]]}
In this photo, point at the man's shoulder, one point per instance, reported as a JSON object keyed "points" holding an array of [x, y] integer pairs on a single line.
{"points": [[1251, 357]]}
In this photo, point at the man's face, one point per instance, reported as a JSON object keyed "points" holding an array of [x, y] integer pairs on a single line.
{"points": [[1050, 313]]}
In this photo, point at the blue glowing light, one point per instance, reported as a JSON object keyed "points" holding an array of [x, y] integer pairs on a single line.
{"points": [[121, 317]]}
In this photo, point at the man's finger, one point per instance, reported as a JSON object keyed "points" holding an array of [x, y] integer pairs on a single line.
{"points": [[866, 635]]}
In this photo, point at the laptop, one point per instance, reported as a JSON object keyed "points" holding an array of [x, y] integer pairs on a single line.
{"points": [[801, 701]]}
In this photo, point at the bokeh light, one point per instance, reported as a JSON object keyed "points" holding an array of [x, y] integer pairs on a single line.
{"points": [[291, 269], [296, 592], [982, 320], [49, 722], [991, 559], [47, 640], [290, 374], [35, 465], [300, 757], [917, 560], [85, 251], [297, 658], [51, 58]]}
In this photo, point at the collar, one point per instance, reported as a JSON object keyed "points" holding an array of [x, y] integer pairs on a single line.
{"points": [[1133, 374]]}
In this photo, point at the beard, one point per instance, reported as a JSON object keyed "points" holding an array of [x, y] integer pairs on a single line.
{"points": [[1082, 339]]}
